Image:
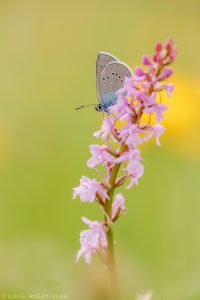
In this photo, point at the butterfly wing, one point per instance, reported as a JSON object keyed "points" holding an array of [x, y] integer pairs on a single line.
{"points": [[111, 80], [103, 59]]}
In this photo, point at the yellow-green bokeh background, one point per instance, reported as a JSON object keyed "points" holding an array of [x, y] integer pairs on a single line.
{"points": [[47, 68]]}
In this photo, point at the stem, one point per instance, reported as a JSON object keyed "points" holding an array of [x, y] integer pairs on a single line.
{"points": [[111, 264], [111, 255], [113, 176]]}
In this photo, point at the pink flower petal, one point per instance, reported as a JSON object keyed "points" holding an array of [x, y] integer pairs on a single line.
{"points": [[146, 61], [91, 240]]}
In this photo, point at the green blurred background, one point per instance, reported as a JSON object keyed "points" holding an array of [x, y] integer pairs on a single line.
{"points": [[48, 51]]}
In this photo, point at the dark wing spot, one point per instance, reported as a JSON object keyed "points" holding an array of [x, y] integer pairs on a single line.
{"points": [[116, 74], [119, 76], [121, 80], [113, 73], [103, 78], [107, 76]]}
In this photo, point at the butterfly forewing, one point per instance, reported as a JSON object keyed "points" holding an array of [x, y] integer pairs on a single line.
{"points": [[103, 59]]}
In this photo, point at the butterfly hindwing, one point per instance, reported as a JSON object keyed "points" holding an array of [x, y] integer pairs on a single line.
{"points": [[111, 80]]}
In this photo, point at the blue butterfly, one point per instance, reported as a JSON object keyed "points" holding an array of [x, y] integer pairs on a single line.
{"points": [[110, 73]]}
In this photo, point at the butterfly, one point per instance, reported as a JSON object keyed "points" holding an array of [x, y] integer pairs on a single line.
{"points": [[110, 74]]}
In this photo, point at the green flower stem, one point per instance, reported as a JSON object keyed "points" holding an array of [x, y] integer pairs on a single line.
{"points": [[108, 204], [111, 255], [108, 209]]}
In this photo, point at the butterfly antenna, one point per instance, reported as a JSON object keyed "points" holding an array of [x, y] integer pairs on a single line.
{"points": [[83, 106]]}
